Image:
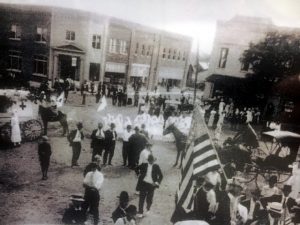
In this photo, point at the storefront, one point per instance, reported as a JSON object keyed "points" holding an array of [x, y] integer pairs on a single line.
{"points": [[170, 77], [139, 74], [115, 73]]}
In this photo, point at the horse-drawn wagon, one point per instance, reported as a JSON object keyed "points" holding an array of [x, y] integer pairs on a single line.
{"points": [[16, 101]]}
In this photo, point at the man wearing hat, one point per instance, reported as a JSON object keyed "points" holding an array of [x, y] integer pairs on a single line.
{"points": [[75, 137], [126, 135], [281, 204], [75, 214], [44, 151], [137, 143], [120, 211], [129, 219], [110, 143], [98, 140], [150, 177], [235, 188]]}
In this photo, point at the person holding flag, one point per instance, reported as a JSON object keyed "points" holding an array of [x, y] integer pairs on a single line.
{"points": [[200, 157]]}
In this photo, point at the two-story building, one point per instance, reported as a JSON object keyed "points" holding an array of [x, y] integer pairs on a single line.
{"points": [[232, 38], [40, 43]]}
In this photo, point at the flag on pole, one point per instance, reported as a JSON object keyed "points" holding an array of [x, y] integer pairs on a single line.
{"points": [[102, 104], [200, 157], [60, 100]]}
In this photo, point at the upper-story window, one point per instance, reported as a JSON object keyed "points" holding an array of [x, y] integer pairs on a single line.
{"points": [[183, 56], [70, 35], [223, 57], [40, 64], [174, 54], [15, 60], [15, 32], [41, 34], [169, 55], [149, 50], [164, 53], [113, 45], [123, 47], [179, 55], [245, 67], [143, 49], [136, 48], [96, 41]]}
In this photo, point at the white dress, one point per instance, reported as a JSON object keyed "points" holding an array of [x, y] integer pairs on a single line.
{"points": [[211, 118], [15, 130]]}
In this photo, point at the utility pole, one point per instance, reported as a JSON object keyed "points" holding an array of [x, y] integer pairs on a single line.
{"points": [[196, 72]]}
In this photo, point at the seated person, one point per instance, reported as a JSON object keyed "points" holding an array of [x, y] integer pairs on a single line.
{"points": [[129, 219], [75, 214]]}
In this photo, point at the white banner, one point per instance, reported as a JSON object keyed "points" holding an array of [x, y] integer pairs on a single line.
{"points": [[115, 67]]}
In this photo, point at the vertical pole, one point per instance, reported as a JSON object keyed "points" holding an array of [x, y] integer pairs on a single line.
{"points": [[196, 72]]}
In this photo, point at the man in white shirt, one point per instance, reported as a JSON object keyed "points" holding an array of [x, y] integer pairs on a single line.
{"points": [[145, 153], [126, 135], [75, 137], [92, 182]]}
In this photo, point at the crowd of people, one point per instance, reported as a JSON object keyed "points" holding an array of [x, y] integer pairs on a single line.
{"points": [[137, 155]]}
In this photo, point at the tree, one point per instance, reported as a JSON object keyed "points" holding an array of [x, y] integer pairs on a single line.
{"points": [[272, 60]]}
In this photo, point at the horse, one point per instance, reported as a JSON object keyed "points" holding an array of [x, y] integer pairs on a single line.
{"points": [[180, 141], [48, 115]]}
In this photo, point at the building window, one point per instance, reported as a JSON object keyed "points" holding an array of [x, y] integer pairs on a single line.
{"points": [[179, 55], [223, 57], [40, 64], [70, 35], [96, 41], [169, 55], [136, 48], [164, 53], [149, 50], [113, 45], [143, 49], [183, 56], [15, 60], [15, 32], [245, 67], [123, 47], [41, 34], [174, 54]]}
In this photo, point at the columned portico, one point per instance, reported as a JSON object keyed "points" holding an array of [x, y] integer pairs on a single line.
{"points": [[68, 61]]}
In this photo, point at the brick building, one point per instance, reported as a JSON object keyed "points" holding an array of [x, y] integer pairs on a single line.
{"points": [[49, 42]]}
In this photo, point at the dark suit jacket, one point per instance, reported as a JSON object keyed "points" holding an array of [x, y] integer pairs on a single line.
{"points": [[44, 151], [142, 171], [97, 143], [72, 135], [109, 138]]}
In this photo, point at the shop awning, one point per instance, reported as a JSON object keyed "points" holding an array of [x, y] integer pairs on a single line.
{"points": [[140, 70], [171, 73], [115, 67]]}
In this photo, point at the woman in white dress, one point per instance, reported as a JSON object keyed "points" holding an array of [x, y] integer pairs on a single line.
{"points": [[211, 118], [15, 130]]}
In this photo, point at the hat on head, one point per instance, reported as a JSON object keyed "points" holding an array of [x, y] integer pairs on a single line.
{"points": [[79, 124], [275, 207], [77, 198], [212, 177], [287, 187], [45, 138], [124, 196], [97, 157], [136, 128]]}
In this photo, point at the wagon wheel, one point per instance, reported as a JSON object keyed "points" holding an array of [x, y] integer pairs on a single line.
{"points": [[283, 176], [32, 130], [250, 173], [5, 131]]}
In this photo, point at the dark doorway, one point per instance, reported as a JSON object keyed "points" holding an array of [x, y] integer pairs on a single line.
{"points": [[66, 67], [94, 71]]}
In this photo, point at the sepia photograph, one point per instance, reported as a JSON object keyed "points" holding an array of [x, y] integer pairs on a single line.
{"points": [[139, 112]]}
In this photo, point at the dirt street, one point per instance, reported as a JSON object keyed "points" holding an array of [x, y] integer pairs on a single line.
{"points": [[26, 199]]}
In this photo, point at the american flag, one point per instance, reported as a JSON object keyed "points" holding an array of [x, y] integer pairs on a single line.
{"points": [[200, 157]]}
